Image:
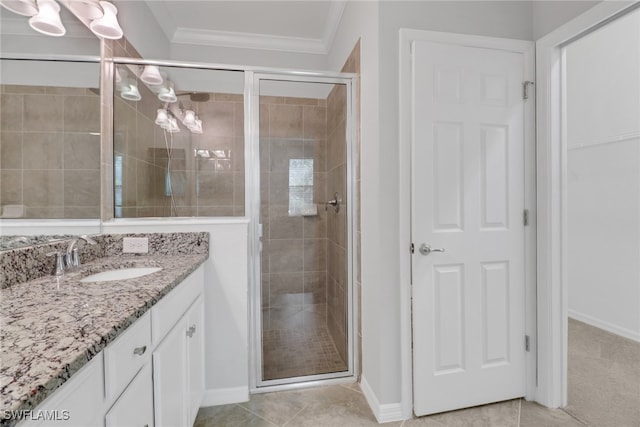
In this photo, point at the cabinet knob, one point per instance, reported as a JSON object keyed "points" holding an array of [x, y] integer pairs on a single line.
{"points": [[140, 350]]}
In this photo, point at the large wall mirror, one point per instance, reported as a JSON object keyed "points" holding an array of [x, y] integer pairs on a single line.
{"points": [[49, 129]]}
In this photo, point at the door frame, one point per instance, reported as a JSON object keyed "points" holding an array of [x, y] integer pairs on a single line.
{"points": [[526, 48], [252, 159], [552, 200]]}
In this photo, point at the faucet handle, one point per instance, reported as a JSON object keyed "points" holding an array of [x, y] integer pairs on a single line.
{"points": [[59, 262], [72, 259]]}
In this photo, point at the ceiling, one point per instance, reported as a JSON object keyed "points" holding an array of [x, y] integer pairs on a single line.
{"points": [[295, 26]]}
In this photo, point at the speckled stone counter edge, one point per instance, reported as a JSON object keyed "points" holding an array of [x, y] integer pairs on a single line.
{"points": [[109, 247], [29, 263]]}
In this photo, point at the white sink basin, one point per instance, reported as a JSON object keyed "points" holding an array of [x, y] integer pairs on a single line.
{"points": [[120, 274]]}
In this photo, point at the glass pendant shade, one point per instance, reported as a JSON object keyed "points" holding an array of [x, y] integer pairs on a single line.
{"points": [[189, 118], [21, 7], [88, 9], [197, 126], [107, 27], [131, 93], [173, 125], [151, 75], [168, 95], [47, 21], [162, 118]]}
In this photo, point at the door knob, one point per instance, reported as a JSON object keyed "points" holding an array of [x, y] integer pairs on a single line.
{"points": [[426, 249]]}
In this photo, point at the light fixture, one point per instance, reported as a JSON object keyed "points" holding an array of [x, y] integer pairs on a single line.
{"points": [[131, 92], [162, 117], [47, 21], [168, 94], [21, 7], [189, 118], [151, 75], [197, 126], [173, 125], [107, 26], [99, 16], [88, 9]]}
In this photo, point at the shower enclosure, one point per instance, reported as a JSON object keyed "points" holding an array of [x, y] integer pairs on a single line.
{"points": [[305, 202], [271, 146]]}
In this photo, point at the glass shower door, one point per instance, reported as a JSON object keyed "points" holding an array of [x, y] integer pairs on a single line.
{"points": [[304, 210]]}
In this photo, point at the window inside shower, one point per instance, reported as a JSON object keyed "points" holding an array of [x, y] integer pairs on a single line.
{"points": [[178, 142], [304, 274]]}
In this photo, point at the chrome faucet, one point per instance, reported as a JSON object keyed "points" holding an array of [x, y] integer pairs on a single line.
{"points": [[72, 258]]}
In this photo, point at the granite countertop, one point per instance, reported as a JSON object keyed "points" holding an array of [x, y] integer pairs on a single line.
{"points": [[52, 326]]}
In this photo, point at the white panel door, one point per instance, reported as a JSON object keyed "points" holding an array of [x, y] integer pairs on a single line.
{"points": [[468, 199]]}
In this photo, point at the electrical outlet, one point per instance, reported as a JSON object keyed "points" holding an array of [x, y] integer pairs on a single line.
{"points": [[135, 245]]}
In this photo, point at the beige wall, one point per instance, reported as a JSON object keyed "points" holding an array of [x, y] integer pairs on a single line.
{"points": [[50, 151], [337, 221]]}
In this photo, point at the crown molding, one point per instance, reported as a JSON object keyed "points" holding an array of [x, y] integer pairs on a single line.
{"points": [[248, 41], [318, 46]]}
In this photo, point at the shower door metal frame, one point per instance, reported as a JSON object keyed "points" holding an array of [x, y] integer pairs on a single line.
{"points": [[252, 102]]}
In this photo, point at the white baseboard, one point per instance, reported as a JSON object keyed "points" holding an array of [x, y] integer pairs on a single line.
{"points": [[384, 413], [224, 396], [601, 324]]}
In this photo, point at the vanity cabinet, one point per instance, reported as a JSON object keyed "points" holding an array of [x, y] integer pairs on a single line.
{"points": [[135, 406], [152, 374], [178, 371], [79, 402], [195, 358]]}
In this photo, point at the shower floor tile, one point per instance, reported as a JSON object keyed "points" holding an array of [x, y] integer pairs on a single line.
{"points": [[290, 353]]}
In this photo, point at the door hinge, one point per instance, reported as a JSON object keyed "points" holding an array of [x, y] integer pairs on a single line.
{"points": [[525, 217], [412, 248], [527, 343], [525, 89]]}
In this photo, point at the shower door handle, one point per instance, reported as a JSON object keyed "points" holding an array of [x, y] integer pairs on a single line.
{"points": [[426, 249]]}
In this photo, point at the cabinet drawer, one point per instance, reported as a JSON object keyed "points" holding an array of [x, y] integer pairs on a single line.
{"points": [[170, 309], [126, 355]]}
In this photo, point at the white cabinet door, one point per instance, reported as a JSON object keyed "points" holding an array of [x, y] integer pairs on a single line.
{"points": [[195, 356], [467, 202], [135, 406], [78, 403], [169, 378]]}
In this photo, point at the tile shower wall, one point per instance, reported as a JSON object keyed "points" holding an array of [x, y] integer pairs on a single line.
{"points": [[337, 221], [294, 256], [201, 184], [50, 151]]}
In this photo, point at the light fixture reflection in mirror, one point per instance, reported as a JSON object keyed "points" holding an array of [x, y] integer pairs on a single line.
{"points": [[151, 75], [131, 92]]}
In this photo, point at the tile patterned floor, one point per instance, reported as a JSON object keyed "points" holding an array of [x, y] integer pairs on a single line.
{"points": [[604, 391], [345, 406], [297, 352]]}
